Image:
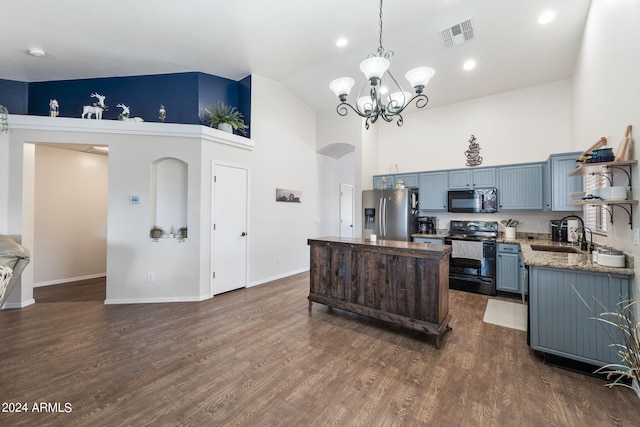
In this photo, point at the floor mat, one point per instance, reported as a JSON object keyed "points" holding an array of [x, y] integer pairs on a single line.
{"points": [[508, 314]]}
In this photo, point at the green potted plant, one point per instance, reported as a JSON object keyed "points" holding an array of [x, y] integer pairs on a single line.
{"points": [[224, 116], [156, 233], [182, 233]]}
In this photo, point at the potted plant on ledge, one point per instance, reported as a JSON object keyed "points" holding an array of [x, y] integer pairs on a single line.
{"points": [[225, 118], [156, 233]]}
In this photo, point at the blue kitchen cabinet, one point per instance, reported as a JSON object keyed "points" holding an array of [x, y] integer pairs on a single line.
{"points": [[410, 179], [558, 186], [464, 179], [520, 187], [563, 304], [381, 182], [508, 268], [432, 195]]}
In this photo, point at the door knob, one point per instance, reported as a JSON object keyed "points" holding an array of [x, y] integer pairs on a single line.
{"points": [[243, 234]]}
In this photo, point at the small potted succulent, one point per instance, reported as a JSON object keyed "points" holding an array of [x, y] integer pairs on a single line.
{"points": [[156, 233], [225, 118], [182, 233]]}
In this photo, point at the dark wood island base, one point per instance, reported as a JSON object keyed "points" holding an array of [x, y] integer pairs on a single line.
{"points": [[404, 283]]}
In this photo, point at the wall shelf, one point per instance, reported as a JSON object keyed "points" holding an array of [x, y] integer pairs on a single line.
{"points": [[606, 203], [603, 168]]}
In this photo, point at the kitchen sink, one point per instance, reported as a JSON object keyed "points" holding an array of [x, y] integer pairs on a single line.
{"points": [[564, 249]]}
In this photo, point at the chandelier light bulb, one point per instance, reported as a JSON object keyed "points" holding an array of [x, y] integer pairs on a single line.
{"points": [[365, 104], [419, 77], [398, 100], [374, 68], [342, 87]]}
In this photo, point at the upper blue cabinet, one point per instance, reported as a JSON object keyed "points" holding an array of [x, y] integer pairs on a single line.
{"points": [[463, 179]]}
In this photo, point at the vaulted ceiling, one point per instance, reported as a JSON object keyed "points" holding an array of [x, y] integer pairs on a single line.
{"points": [[294, 41]]}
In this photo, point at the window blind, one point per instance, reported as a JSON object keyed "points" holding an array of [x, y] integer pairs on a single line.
{"points": [[595, 217]]}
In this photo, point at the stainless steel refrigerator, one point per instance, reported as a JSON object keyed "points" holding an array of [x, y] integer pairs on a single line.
{"points": [[390, 214]]}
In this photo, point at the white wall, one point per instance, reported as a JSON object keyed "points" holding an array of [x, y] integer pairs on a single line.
{"points": [[70, 220], [514, 127], [284, 157], [4, 181], [605, 98]]}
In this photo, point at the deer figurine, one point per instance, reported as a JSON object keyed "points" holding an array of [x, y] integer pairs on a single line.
{"points": [[97, 109], [124, 116]]}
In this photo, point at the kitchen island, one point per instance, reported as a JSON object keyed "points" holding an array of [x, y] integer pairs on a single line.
{"points": [[404, 283]]}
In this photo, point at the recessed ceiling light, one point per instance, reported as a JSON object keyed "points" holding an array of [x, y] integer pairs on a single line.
{"points": [[342, 42], [469, 65], [546, 17], [36, 51]]}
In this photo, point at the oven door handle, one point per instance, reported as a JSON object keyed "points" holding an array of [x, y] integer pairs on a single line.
{"points": [[477, 279]]}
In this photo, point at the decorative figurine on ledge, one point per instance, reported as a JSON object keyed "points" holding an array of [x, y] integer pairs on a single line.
{"points": [[124, 116], [162, 113], [97, 108], [53, 108]]}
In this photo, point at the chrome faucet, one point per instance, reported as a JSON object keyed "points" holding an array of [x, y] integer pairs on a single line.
{"points": [[583, 244]]}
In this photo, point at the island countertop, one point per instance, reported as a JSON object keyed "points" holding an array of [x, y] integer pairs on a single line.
{"points": [[390, 245]]}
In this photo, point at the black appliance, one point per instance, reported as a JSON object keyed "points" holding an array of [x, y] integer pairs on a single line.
{"points": [[474, 273], [558, 230], [427, 224], [473, 201]]}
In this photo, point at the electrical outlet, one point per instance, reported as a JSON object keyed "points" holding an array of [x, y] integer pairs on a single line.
{"points": [[636, 236], [151, 277], [279, 259], [541, 224]]}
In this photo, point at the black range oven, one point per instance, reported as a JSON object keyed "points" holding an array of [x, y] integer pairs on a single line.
{"points": [[472, 266]]}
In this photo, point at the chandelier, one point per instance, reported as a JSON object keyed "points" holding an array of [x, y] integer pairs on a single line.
{"points": [[382, 96]]}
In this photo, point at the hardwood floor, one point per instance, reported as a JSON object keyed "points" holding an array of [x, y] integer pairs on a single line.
{"points": [[256, 357]]}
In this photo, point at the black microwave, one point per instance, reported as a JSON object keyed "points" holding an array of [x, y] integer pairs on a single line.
{"points": [[473, 201]]}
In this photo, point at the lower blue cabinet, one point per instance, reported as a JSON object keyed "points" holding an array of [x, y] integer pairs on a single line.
{"points": [[563, 304]]}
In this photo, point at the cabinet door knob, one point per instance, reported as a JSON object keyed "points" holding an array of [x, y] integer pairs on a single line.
{"points": [[243, 234]]}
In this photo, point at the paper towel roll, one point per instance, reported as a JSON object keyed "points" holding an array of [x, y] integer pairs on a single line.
{"points": [[572, 230]]}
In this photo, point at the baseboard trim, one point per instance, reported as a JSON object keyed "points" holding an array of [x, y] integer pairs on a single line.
{"points": [[280, 276], [114, 301], [69, 279], [22, 304]]}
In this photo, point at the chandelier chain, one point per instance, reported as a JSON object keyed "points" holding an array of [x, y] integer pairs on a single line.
{"points": [[380, 48]]}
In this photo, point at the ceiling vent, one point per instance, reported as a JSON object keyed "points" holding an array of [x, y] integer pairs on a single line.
{"points": [[457, 34]]}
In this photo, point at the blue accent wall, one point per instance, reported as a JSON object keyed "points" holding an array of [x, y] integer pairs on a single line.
{"points": [[244, 100], [14, 95], [184, 96]]}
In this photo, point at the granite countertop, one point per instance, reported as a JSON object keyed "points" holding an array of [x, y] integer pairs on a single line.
{"points": [[429, 236], [569, 261], [381, 243]]}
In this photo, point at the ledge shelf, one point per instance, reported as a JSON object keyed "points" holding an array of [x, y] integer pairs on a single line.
{"points": [[603, 168], [606, 203]]}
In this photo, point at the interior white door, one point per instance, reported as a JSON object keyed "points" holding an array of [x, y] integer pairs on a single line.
{"points": [[230, 232], [346, 210]]}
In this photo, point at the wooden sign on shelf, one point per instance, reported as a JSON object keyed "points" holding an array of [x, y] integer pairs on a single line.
{"points": [[624, 145]]}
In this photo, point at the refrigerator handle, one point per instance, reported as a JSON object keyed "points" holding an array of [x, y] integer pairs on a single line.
{"points": [[380, 216], [384, 218]]}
